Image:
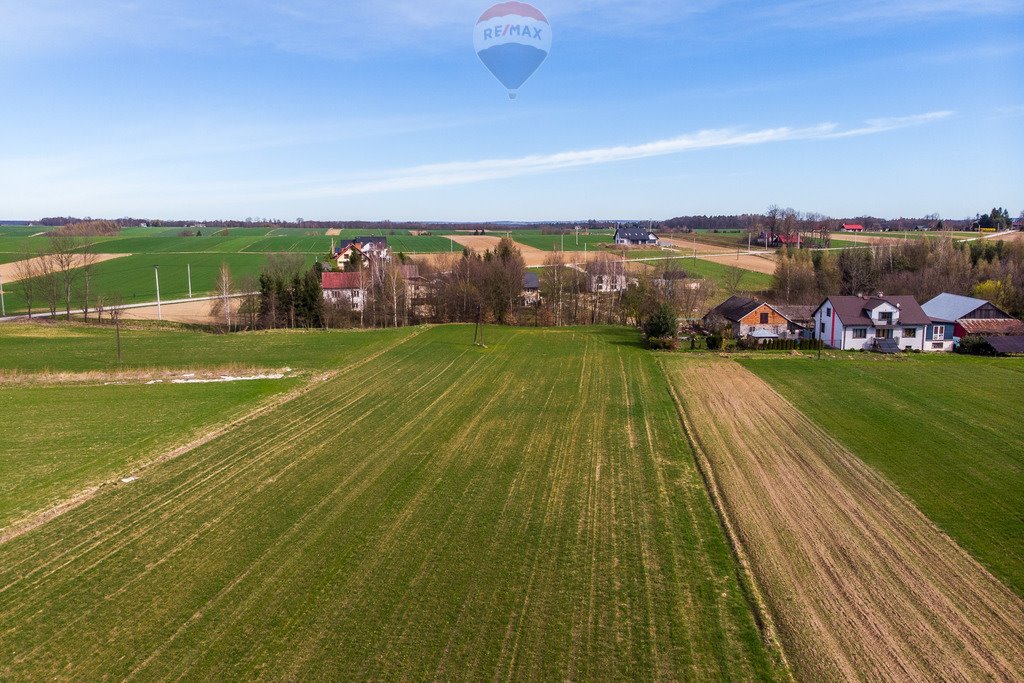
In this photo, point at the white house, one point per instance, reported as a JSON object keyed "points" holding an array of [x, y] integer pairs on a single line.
{"points": [[883, 323], [349, 288], [635, 236]]}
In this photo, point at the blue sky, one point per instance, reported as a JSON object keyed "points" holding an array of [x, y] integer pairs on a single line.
{"points": [[644, 109]]}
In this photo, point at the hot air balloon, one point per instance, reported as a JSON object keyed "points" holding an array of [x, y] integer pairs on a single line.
{"points": [[512, 39]]}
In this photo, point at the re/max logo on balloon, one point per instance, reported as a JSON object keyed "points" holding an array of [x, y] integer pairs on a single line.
{"points": [[512, 39], [513, 30]]}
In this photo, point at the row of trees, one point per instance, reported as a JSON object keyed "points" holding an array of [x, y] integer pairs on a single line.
{"points": [[56, 277], [921, 268]]}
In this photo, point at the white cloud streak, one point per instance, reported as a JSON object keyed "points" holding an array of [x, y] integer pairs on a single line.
{"points": [[468, 172]]}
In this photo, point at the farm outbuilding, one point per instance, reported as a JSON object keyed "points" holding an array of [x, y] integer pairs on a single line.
{"points": [[753, 318]]}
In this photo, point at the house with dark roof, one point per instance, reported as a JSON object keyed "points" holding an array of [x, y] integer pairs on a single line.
{"points": [[364, 248], [973, 316], [884, 323], [531, 289], [635, 236], [753, 318]]}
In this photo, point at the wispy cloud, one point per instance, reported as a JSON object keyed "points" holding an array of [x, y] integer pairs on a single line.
{"points": [[467, 172]]}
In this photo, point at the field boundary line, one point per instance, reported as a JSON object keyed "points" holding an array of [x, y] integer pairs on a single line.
{"points": [[762, 615], [38, 519]]}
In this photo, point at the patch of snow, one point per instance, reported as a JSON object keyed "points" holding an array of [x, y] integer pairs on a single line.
{"points": [[155, 381], [228, 378], [129, 480]]}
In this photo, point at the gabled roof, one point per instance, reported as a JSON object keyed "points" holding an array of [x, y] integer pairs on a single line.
{"points": [[735, 308], [789, 239], [855, 227], [852, 310], [993, 326], [340, 280], [635, 234], [410, 271], [953, 306], [531, 281]]}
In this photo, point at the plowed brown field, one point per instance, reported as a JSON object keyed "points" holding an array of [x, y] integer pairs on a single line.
{"points": [[10, 272], [859, 584]]}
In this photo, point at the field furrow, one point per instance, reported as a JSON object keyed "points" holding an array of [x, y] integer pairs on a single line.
{"points": [[530, 510], [857, 580]]}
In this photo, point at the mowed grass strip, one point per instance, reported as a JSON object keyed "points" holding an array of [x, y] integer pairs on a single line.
{"points": [[60, 440], [528, 511], [860, 584], [944, 429]]}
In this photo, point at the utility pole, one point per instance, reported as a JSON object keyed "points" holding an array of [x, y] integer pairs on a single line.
{"points": [[159, 313], [563, 241], [3, 305], [189, 280]]}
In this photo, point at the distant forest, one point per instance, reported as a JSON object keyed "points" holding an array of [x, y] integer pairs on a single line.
{"points": [[775, 219]]}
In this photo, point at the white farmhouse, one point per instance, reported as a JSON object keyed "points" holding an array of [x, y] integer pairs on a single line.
{"points": [[880, 323]]}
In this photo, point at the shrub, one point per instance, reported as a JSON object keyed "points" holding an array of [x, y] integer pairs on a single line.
{"points": [[714, 341], [975, 345], [662, 343], [663, 324]]}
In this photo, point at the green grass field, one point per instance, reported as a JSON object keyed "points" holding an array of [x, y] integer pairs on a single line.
{"points": [[88, 348], [944, 429], [60, 439], [570, 243], [717, 273], [439, 511]]}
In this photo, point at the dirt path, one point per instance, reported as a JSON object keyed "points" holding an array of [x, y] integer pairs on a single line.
{"points": [[192, 312], [334, 232], [859, 584], [10, 271]]}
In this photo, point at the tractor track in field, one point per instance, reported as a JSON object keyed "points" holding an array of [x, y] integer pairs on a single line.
{"points": [[855, 579], [37, 520]]}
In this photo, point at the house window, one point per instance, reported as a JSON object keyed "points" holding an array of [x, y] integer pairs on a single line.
{"points": [[828, 312], [937, 345], [910, 333], [886, 317], [883, 334], [764, 318], [823, 328], [939, 332], [860, 333]]}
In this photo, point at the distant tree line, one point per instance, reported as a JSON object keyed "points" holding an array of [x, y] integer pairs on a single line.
{"points": [[923, 268]]}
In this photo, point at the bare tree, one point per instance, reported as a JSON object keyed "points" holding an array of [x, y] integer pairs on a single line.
{"points": [[25, 273], [87, 259], [221, 307], [733, 279], [65, 259], [249, 309], [115, 312]]}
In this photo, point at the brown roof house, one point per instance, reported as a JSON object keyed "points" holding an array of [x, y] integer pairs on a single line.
{"points": [[756, 319]]}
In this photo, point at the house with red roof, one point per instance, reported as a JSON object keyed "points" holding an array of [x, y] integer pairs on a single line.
{"points": [[889, 324], [852, 227], [345, 288]]}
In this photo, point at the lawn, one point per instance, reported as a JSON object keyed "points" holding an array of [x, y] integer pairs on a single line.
{"points": [[61, 439], [945, 430], [569, 243], [446, 511]]}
